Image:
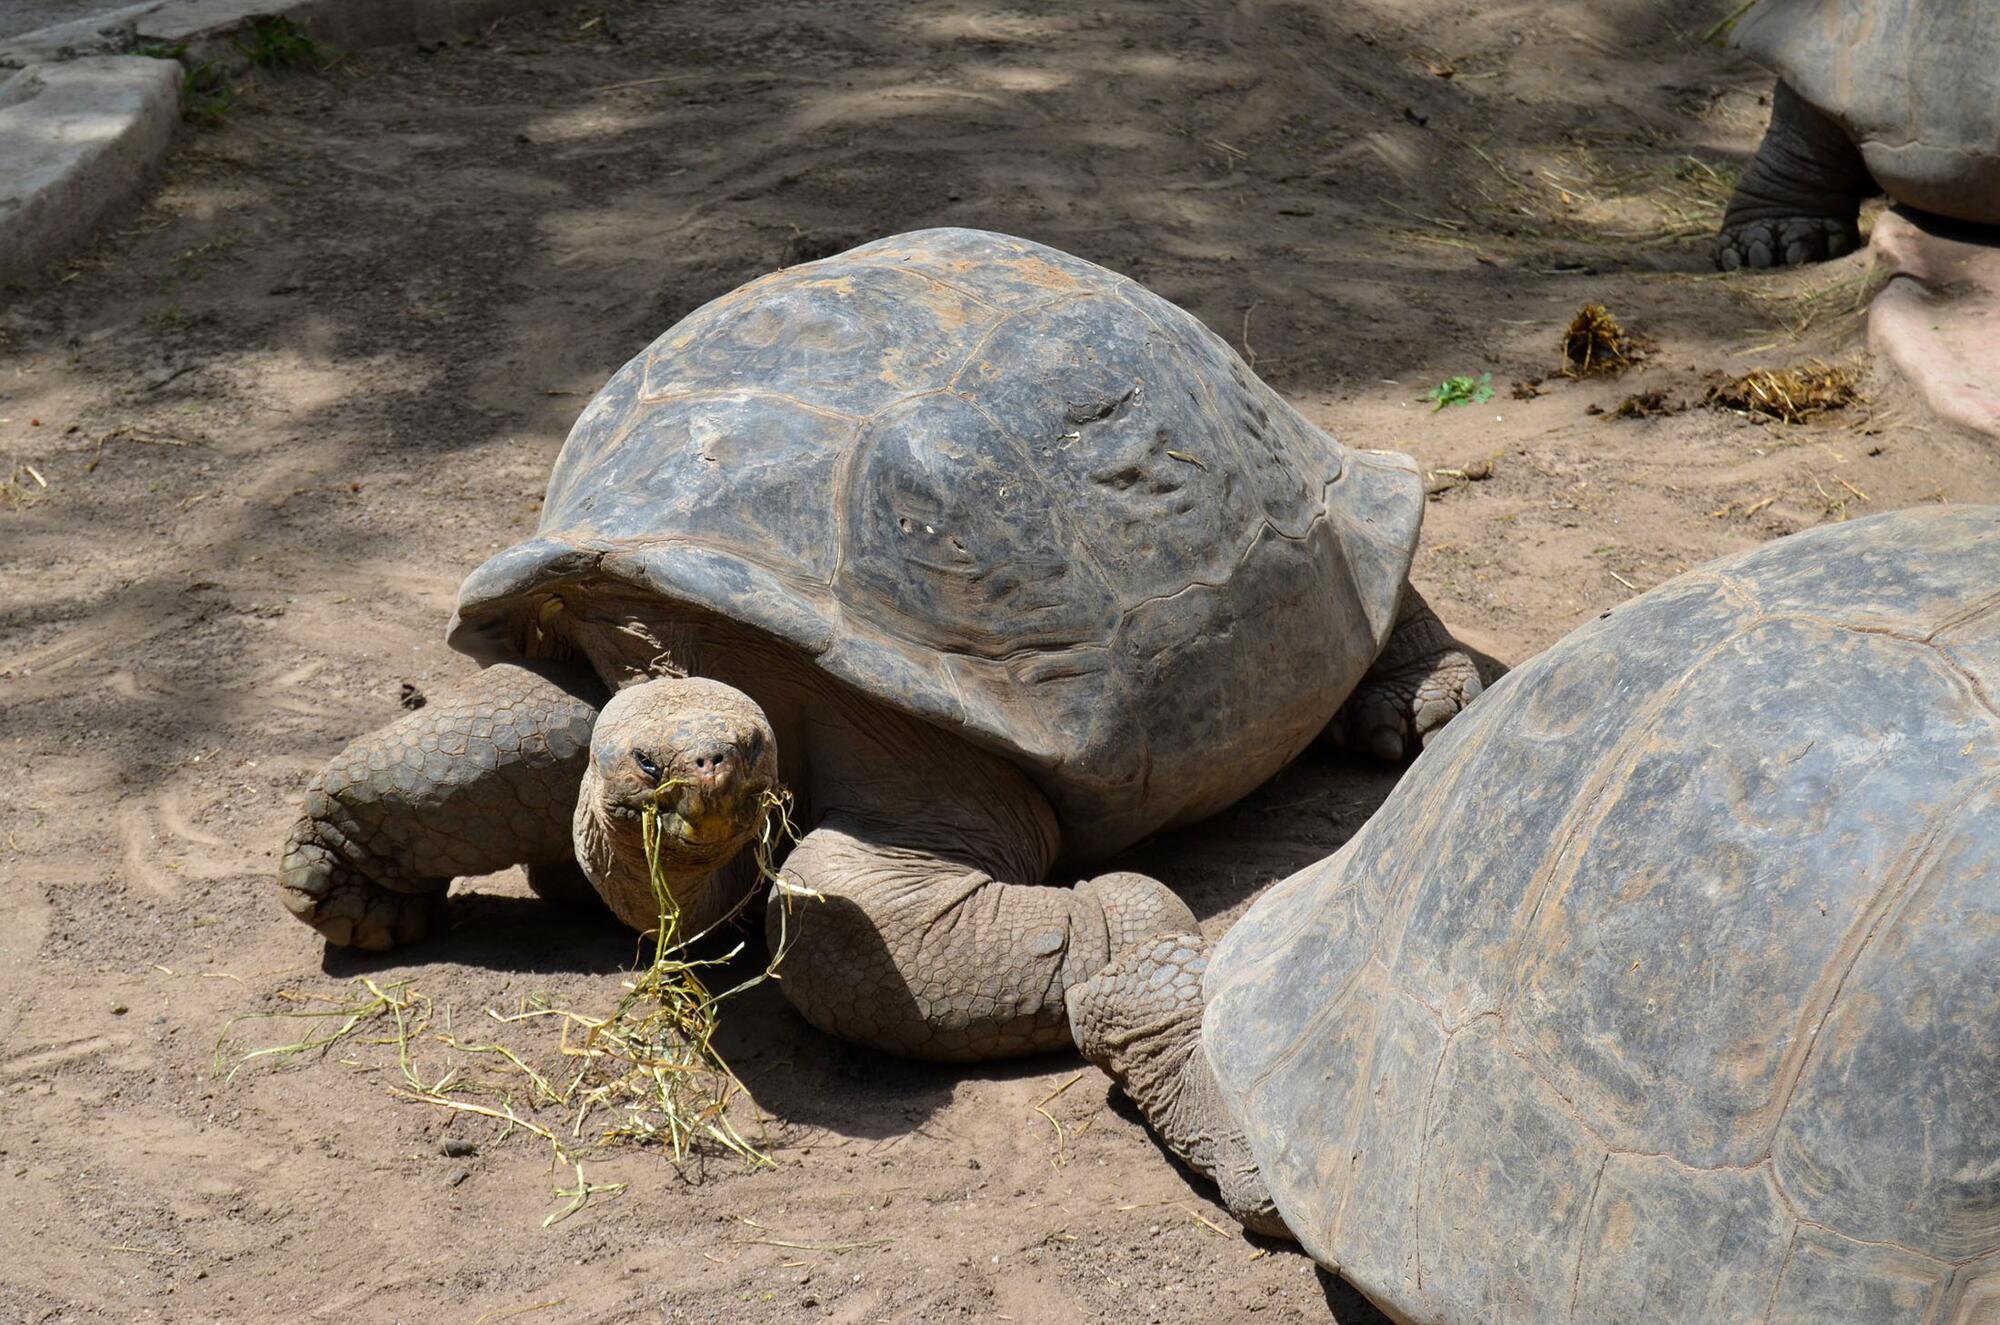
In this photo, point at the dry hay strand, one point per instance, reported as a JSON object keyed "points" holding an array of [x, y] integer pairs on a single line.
{"points": [[1063, 1135], [647, 1072], [1595, 343], [1790, 395], [652, 1064], [1812, 302], [15, 490]]}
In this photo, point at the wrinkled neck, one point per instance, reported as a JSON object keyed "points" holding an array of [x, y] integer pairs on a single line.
{"points": [[631, 637]]}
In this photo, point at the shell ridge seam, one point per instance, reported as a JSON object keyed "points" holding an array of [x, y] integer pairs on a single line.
{"points": [[1964, 616], [1595, 802], [1265, 526], [1366, 1068], [1882, 912], [1589, 1209], [1792, 1209], [1778, 1280], [677, 395]]}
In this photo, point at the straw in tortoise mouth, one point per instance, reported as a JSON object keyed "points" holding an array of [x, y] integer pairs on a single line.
{"points": [[686, 815]]}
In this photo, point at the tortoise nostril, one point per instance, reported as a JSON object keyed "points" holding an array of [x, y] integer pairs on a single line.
{"points": [[711, 764]]}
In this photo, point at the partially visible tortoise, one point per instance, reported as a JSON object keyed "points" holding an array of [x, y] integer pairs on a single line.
{"points": [[1665, 986], [997, 561], [1895, 96]]}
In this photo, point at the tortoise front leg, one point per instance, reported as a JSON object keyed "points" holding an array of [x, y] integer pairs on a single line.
{"points": [[1140, 1020], [480, 779], [921, 952]]}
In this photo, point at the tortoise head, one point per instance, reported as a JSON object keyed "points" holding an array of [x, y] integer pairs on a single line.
{"points": [[704, 756]]}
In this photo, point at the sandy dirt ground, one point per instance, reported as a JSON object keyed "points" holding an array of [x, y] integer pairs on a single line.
{"points": [[251, 441]]}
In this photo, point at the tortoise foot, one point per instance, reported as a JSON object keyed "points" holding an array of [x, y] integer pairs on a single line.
{"points": [[351, 911], [1421, 681], [1789, 241], [1393, 715], [1139, 1019], [1137, 907]]}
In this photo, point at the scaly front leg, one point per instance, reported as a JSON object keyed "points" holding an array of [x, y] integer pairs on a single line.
{"points": [[1800, 199], [1140, 1020], [480, 779], [1421, 681], [919, 951]]}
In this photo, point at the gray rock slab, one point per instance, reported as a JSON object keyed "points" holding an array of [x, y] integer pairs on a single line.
{"points": [[77, 140], [83, 125]]}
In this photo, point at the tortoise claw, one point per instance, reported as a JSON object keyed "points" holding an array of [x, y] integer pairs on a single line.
{"points": [[1790, 241], [348, 909]]}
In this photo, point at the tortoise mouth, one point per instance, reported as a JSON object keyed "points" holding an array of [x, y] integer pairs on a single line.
{"points": [[703, 819], [707, 827]]}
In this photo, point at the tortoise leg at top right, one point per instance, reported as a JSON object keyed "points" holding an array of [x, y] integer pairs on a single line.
{"points": [[1936, 320], [1799, 200]]}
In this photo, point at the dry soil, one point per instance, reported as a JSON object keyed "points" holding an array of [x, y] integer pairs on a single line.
{"points": [[252, 439]]}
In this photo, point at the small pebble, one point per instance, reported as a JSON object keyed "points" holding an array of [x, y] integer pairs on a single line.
{"points": [[457, 1176], [458, 1147], [119, 1009]]}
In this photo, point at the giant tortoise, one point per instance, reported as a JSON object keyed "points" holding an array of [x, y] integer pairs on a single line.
{"points": [[995, 560], [1895, 96], [1664, 987]]}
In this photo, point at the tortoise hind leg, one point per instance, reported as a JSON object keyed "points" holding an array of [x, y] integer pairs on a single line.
{"points": [[1799, 200], [482, 778], [1139, 1019], [1421, 680]]}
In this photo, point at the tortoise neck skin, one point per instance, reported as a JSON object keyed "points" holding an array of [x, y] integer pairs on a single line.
{"points": [[688, 672]]}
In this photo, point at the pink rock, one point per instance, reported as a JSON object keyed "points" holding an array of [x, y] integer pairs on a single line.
{"points": [[1938, 319]]}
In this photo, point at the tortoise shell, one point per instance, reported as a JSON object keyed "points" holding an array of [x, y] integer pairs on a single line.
{"points": [[1001, 489], [1912, 82], [1666, 985]]}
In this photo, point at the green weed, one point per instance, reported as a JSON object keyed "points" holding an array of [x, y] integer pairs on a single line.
{"points": [[206, 94], [278, 43], [1460, 391]]}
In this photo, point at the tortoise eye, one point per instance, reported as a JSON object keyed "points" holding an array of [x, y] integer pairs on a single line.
{"points": [[646, 766]]}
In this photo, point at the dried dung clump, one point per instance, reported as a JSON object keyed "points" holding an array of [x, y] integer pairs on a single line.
{"points": [[1440, 481], [1595, 343], [1789, 394], [1646, 405]]}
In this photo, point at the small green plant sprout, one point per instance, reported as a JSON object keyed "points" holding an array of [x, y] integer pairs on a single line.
{"points": [[206, 95], [1719, 34], [1460, 391], [278, 43]]}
